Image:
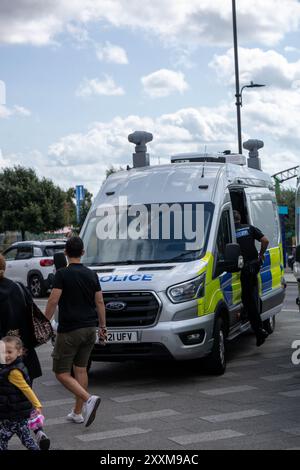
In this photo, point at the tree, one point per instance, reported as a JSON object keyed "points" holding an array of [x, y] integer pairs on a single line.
{"points": [[71, 207], [286, 197], [112, 170], [29, 204]]}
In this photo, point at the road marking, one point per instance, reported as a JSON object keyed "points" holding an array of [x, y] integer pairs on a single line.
{"points": [[98, 436], [187, 439], [278, 377], [63, 401], [289, 310], [223, 391], [56, 421], [274, 355], [147, 415], [233, 416], [293, 431], [242, 364], [140, 396], [291, 394], [51, 383]]}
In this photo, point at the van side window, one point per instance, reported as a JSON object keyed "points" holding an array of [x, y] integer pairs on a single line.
{"points": [[224, 234], [265, 217]]}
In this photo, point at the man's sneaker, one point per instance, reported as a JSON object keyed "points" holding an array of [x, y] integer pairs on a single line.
{"points": [[91, 407], [261, 337], [75, 418], [42, 440]]}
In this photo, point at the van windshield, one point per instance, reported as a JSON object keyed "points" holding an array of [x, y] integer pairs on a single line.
{"points": [[147, 233]]}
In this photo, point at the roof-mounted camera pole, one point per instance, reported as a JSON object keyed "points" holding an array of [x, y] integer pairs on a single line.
{"points": [[140, 139], [253, 145]]}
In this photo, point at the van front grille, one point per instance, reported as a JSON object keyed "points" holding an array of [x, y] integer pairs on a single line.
{"points": [[126, 309]]}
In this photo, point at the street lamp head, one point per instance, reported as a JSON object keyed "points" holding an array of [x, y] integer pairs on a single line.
{"points": [[254, 85]]}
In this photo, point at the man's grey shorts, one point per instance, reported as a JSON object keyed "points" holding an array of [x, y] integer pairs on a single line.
{"points": [[73, 348]]}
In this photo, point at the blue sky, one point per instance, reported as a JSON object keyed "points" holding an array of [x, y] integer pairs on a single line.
{"points": [[80, 75]]}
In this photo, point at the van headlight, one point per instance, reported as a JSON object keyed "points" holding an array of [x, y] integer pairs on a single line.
{"points": [[185, 291]]}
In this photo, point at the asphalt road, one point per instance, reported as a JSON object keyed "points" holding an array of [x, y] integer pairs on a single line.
{"points": [[255, 405]]}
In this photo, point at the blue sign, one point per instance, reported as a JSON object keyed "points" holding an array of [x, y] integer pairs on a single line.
{"points": [[283, 210], [80, 193]]}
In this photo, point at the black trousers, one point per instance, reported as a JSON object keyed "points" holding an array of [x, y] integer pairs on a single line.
{"points": [[249, 285]]}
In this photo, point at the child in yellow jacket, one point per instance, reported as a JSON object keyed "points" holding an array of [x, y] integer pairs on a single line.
{"points": [[17, 400]]}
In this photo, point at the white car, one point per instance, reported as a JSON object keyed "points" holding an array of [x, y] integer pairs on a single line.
{"points": [[31, 262]]}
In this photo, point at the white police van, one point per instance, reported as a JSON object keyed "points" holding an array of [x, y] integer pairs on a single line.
{"points": [[162, 240]]}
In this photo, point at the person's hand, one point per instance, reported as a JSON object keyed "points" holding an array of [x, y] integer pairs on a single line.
{"points": [[102, 332], [261, 258]]}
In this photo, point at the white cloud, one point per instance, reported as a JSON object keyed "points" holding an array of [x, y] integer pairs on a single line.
{"points": [[111, 53], [291, 49], [266, 67], [164, 82], [95, 86], [180, 22], [6, 112]]}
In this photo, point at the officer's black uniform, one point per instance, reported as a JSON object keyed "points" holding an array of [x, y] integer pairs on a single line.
{"points": [[246, 236]]}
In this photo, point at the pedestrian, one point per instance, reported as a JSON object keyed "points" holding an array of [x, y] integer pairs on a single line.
{"points": [[14, 320], [246, 235], [17, 399], [77, 292]]}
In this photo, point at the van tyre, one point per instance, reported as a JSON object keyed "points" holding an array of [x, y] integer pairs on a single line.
{"points": [[269, 325], [216, 361], [36, 286]]}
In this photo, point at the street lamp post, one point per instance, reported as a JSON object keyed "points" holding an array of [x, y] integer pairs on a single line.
{"points": [[238, 92]]}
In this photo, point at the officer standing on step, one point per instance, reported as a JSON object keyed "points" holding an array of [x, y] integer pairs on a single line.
{"points": [[246, 235]]}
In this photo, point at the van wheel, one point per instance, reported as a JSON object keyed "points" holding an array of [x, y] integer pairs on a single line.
{"points": [[215, 362], [36, 286], [269, 325]]}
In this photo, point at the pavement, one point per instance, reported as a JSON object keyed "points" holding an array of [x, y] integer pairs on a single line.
{"points": [[289, 277], [176, 406]]}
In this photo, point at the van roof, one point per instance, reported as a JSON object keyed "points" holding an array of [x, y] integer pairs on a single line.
{"points": [[181, 182]]}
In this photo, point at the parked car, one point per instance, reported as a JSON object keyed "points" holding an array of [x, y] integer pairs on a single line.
{"points": [[31, 262]]}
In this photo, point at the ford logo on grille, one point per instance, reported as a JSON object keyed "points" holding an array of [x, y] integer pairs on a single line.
{"points": [[115, 306]]}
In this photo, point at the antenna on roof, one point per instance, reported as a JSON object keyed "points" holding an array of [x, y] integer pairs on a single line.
{"points": [[253, 145], [140, 139]]}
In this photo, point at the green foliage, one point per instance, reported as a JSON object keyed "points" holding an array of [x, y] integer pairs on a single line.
{"points": [[29, 204], [286, 197], [71, 207], [112, 170]]}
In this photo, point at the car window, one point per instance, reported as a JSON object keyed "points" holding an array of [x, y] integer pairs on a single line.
{"points": [[11, 254], [37, 251], [50, 250], [24, 252]]}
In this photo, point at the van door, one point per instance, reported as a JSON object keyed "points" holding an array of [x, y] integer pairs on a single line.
{"points": [[229, 282], [263, 214]]}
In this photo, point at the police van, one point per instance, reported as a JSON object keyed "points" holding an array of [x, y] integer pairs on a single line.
{"points": [[296, 266], [162, 240]]}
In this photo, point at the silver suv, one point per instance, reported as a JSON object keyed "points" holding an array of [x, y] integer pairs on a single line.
{"points": [[31, 262]]}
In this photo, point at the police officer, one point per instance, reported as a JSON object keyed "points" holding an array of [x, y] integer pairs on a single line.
{"points": [[246, 235]]}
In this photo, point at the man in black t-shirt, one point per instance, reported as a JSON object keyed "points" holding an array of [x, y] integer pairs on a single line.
{"points": [[246, 235], [77, 292]]}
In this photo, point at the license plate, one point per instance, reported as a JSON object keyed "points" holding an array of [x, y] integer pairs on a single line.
{"points": [[122, 337]]}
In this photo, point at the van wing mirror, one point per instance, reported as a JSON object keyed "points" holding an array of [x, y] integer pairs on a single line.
{"points": [[298, 254], [233, 261], [60, 260]]}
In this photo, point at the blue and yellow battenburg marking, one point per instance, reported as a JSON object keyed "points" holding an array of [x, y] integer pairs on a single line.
{"points": [[227, 287]]}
